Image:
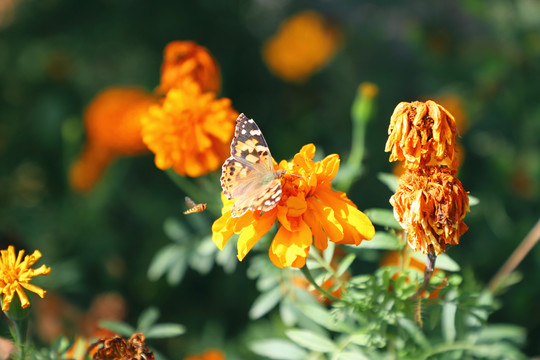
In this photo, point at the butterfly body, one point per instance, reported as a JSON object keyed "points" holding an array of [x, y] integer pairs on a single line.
{"points": [[248, 175]]}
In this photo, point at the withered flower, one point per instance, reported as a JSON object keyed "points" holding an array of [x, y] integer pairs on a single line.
{"points": [[118, 348], [422, 134], [430, 204]]}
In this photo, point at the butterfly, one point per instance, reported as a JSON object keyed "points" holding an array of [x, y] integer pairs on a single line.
{"points": [[248, 175], [193, 207]]}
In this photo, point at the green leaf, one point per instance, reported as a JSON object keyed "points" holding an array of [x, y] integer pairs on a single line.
{"points": [[473, 200], [345, 264], [278, 349], [147, 318], [351, 356], [175, 230], [499, 332], [160, 331], [383, 217], [265, 302], [389, 180], [178, 268], [414, 332], [288, 311], [322, 316], [443, 262], [311, 341], [381, 241], [117, 327], [163, 260], [448, 320]]}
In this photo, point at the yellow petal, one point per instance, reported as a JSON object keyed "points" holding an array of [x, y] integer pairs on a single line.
{"points": [[251, 234], [290, 248]]}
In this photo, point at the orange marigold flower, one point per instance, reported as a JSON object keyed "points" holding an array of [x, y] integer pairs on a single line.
{"points": [[211, 354], [422, 134], [187, 59], [15, 276], [430, 205], [191, 131], [113, 127], [309, 212], [304, 43], [118, 348]]}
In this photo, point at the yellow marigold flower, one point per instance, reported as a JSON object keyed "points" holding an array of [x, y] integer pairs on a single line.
{"points": [[190, 131], [309, 212], [304, 43], [208, 355], [15, 276], [113, 128], [430, 205], [422, 134], [187, 59]]}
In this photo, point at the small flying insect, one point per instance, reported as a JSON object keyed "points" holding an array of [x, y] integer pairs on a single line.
{"points": [[193, 207]]}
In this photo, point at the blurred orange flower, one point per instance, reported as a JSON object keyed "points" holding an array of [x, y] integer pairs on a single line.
{"points": [[208, 355], [430, 204], [309, 212], [422, 134], [187, 59], [15, 276], [304, 43], [112, 122], [190, 131]]}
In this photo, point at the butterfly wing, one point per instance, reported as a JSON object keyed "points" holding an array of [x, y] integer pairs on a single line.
{"points": [[248, 174]]}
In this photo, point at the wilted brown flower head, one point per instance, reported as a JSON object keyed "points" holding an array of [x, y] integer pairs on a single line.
{"points": [[422, 134], [430, 205], [117, 348]]}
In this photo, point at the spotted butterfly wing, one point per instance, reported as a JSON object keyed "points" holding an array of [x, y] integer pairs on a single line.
{"points": [[248, 175]]}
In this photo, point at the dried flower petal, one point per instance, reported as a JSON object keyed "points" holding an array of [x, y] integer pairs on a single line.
{"points": [[422, 134], [431, 205]]}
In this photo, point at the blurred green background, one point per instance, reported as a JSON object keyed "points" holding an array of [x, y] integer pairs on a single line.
{"points": [[56, 55]]}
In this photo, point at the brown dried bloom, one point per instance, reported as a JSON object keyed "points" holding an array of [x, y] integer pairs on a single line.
{"points": [[430, 205], [422, 134], [117, 348]]}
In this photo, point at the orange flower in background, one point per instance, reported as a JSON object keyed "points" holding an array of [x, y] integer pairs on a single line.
{"points": [[430, 204], [15, 276], [309, 212], [113, 128], [208, 355], [190, 131], [304, 43], [187, 59], [422, 134]]}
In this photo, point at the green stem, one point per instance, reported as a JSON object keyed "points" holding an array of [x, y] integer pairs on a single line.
{"points": [[309, 278], [16, 334], [327, 267]]}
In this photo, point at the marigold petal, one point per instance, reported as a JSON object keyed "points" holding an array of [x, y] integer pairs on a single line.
{"points": [[327, 168], [252, 233], [22, 297], [290, 248], [320, 239], [325, 214], [356, 224]]}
